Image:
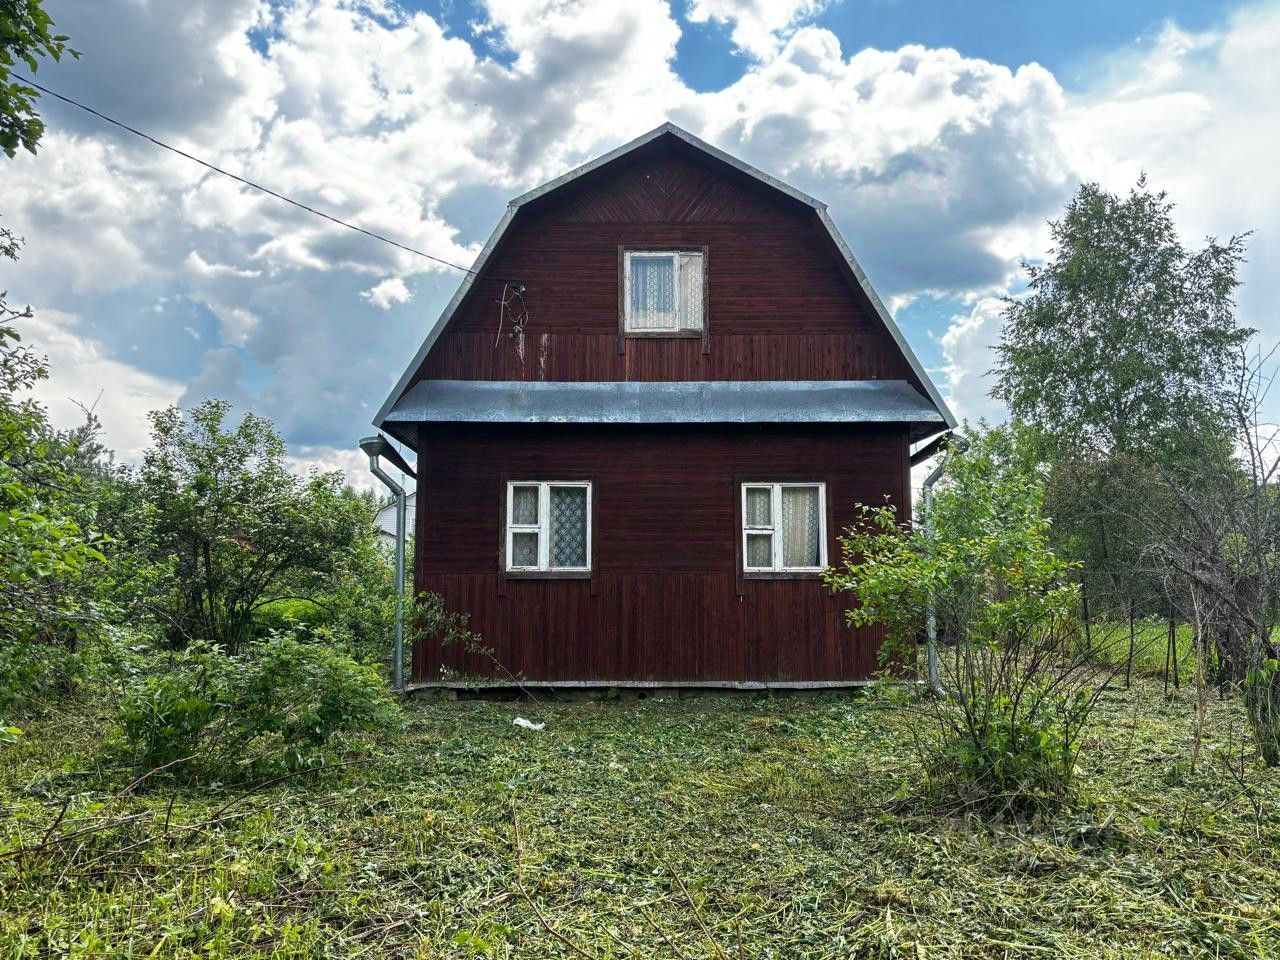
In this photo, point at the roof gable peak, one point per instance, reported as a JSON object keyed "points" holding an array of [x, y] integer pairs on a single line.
{"points": [[668, 129], [664, 130]]}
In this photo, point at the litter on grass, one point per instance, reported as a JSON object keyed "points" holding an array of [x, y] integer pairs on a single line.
{"points": [[527, 724]]}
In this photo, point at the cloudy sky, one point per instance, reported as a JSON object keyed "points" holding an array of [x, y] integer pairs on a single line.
{"points": [[942, 135]]}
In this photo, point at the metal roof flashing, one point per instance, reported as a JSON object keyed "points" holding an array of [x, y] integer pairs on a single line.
{"points": [[663, 402], [405, 385]]}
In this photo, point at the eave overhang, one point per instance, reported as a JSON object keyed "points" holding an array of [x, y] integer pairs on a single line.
{"points": [[663, 402]]}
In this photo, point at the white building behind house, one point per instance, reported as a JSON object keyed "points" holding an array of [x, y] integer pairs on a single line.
{"points": [[386, 520]]}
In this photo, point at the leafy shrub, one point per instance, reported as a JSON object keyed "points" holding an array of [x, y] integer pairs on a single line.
{"points": [[1007, 733], [274, 708], [171, 716], [45, 552], [1011, 750]]}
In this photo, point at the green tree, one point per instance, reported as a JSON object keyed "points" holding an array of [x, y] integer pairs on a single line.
{"points": [[26, 36], [227, 528], [1127, 338], [44, 607], [1119, 361]]}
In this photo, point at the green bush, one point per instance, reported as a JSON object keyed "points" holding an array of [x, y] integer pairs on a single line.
{"points": [[1015, 698], [274, 708], [171, 716], [1010, 751]]}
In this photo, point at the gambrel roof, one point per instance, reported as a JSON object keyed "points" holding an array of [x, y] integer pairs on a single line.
{"points": [[405, 404]]}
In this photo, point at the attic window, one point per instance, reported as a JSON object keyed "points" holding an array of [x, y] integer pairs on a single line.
{"points": [[663, 293]]}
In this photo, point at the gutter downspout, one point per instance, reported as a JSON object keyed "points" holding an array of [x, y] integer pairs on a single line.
{"points": [[375, 447], [957, 444]]}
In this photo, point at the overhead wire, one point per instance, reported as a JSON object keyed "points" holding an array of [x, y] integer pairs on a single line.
{"points": [[249, 183]]}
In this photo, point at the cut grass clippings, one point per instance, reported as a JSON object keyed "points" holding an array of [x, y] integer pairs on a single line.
{"points": [[710, 827]]}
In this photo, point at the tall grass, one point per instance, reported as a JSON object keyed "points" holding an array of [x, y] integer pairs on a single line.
{"points": [[1108, 641]]}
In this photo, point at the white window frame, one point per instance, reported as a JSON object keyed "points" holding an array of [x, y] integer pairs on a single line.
{"points": [[543, 527], [681, 327], [774, 526]]}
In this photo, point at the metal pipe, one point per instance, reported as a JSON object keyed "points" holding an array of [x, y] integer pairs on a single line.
{"points": [[957, 443], [377, 447]]}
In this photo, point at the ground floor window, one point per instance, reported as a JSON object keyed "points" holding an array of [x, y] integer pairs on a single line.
{"points": [[548, 526], [784, 527]]}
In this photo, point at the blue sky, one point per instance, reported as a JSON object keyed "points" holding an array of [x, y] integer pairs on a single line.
{"points": [[941, 134], [1065, 37]]}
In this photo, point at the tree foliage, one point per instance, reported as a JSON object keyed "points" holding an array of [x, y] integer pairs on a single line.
{"points": [[1122, 344], [26, 36], [44, 552], [1118, 364], [222, 526]]}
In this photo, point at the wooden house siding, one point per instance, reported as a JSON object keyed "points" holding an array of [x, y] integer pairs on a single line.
{"points": [[666, 600], [781, 304]]}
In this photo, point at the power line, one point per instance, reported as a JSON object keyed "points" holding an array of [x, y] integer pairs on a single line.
{"points": [[248, 183]]}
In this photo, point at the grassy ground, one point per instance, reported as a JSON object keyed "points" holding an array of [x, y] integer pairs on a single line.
{"points": [[1109, 642], [761, 828]]}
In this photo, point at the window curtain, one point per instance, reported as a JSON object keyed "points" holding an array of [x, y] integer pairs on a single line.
{"points": [[524, 505], [524, 512], [760, 550], [568, 527], [800, 527], [653, 293], [691, 291], [524, 549]]}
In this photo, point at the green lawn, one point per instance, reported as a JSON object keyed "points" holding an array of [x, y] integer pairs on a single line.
{"points": [[772, 827], [1109, 643]]}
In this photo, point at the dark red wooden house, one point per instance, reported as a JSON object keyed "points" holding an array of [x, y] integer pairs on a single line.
{"points": [[636, 475]]}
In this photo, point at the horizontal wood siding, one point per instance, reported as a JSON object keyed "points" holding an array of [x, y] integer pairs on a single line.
{"points": [[665, 601], [781, 302]]}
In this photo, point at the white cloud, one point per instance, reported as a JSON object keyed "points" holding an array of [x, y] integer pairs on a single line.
{"points": [[967, 347], [82, 375], [202, 268], [758, 26], [925, 156], [387, 293], [940, 168], [351, 463], [1196, 112]]}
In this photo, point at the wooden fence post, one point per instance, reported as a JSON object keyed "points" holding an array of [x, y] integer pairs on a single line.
{"points": [[1128, 667], [1167, 654], [1084, 598]]}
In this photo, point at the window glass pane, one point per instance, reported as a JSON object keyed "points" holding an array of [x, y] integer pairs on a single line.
{"points": [[524, 505], [568, 526], [759, 550], [653, 293], [691, 291], [800, 533], [758, 507], [524, 550]]}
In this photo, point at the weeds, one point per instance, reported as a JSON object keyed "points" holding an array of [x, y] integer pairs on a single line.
{"points": [[752, 828]]}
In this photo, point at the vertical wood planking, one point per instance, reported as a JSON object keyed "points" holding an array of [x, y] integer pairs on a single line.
{"points": [[663, 602], [781, 301]]}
